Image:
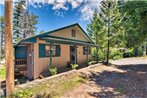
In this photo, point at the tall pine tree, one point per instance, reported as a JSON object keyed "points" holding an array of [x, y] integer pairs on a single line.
{"points": [[106, 27], [113, 20], [96, 31], [24, 22]]}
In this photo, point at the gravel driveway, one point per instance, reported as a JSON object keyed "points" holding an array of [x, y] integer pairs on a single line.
{"points": [[128, 79], [130, 61]]}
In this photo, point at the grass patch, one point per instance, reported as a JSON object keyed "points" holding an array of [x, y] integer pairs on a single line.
{"points": [[54, 88], [2, 72]]}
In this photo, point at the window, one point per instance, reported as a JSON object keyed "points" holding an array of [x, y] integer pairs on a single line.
{"points": [[73, 33], [45, 50], [86, 50], [48, 50]]}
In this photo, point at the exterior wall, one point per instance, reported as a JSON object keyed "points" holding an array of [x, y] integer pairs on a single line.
{"points": [[66, 33], [29, 62], [42, 64], [81, 58]]}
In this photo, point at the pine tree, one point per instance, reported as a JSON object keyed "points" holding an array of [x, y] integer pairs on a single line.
{"points": [[18, 10], [113, 20], [24, 22], [96, 31]]}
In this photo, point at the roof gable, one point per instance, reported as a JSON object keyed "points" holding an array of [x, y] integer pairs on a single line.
{"points": [[33, 38], [67, 33]]}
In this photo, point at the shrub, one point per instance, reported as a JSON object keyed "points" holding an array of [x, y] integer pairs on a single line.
{"points": [[53, 70], [2, 73], [116, 54], [129, 53], [23, 94], [74, 66], [89, 63], [101, 54], [140, 52]]}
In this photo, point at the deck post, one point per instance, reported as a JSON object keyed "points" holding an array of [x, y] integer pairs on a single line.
{"points": [[51, 54], [75, 54], [87, 53]]}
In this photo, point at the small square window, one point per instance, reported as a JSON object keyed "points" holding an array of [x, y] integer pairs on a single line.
{"points": [[73, 33], [47, 49], [86, 50]]}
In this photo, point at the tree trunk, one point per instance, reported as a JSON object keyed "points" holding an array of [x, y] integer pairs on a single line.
{"points": [[97, 58], [9, 56], [108, 43]]}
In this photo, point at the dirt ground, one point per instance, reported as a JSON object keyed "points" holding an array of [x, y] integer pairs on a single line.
{"points": [[126, 79]]}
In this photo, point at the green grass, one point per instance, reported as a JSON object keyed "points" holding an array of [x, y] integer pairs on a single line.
{"points": [[54, 88], [2, 73]]}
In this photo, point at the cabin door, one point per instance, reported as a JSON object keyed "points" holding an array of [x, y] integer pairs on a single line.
{"points": [[73, 54]]}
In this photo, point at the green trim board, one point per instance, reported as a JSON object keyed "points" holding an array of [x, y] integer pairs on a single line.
{"points": [[33, 38], [48, 36], [64, 41]]}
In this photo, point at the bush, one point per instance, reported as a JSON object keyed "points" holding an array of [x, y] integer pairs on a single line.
{"points": [[101, 54], [129, 53], [2, 73], [23, 94], [140, 52], [74, 66], [53, 70], [89, 63], [116, 54]]}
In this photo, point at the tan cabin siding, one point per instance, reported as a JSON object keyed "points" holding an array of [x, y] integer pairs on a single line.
{"points": [[66, 33], [81, 58], [42, 64], [29, 63]]}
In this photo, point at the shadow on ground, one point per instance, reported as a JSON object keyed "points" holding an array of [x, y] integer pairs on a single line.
{"points": [[131, 83]]}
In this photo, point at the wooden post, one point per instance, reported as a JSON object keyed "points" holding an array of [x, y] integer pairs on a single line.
{"points": [[51, 54], [9, 53], [75, 54], [87, 54]]}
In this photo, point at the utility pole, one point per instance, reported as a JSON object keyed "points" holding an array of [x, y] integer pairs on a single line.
{"points": [[9, 56]]}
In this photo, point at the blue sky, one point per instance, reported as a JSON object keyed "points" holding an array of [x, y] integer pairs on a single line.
{"points": [[58, 13]]}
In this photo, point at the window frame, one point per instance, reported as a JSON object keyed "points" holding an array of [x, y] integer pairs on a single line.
{"points": [[86, 50], [73, 32], [48, 55]]}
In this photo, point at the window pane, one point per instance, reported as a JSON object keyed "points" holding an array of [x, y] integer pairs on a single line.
{"points": [[85, 50], [73, 33], [47, 49], [53, 50]]}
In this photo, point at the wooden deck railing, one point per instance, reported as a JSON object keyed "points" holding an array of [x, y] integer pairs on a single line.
{"points": [[20, 61], [20, 67]]}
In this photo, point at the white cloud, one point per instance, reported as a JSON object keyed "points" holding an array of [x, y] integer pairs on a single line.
{"points": [[59, 6], [86, 7], [74, 4]]}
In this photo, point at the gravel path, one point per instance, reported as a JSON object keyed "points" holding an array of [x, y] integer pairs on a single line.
{"points": [[128, 80], [130, 61]]}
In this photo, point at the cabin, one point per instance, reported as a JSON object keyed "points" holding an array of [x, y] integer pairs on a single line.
{"points": [[60, 48]]}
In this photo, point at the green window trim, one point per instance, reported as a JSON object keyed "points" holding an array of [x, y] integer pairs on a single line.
{"points": [[42, 51], [86, 50]]}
